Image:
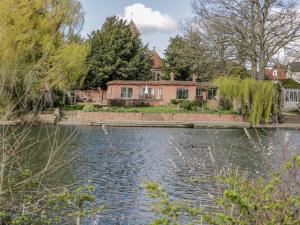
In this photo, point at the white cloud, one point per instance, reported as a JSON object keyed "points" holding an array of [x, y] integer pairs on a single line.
{"points": [[149, 20]]}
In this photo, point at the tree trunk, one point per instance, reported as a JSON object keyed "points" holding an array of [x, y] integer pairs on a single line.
{"points": [[254, 68], [262, 65]]}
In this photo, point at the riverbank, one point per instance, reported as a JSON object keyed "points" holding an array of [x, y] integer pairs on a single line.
{"points": [[172, 120]]}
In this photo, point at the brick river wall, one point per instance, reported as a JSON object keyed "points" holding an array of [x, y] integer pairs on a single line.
{"points": [[89, 117]]}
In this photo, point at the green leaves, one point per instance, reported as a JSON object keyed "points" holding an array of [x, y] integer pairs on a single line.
{"points": [[116, 54], [37, 49], [259, 98], [244, 199]]}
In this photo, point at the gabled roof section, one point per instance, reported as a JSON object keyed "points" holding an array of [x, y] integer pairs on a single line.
{"points": [[295, 66], [156, 61], [134, 29], [291, 83]]}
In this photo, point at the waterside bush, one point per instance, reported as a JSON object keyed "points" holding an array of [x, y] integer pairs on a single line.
{"points": [[243, 198]]}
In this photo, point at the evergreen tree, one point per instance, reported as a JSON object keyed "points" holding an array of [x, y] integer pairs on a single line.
{"points": [[116, 54], [175, 59]]}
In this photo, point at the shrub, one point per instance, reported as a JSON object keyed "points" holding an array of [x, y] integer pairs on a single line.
{"points": [[187, 105], [242, 199], [89, 108], [174, 101]]}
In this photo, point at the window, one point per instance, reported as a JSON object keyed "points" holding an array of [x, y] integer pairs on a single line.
{"points": [[126, 93], [182, 93], [292, 96], [160, 93], [199, 92], [275, 73], [211, 94], [147, 93]]}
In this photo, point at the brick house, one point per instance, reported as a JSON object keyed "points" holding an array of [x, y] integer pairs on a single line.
{"points": [[276, 73], [160, 92]]}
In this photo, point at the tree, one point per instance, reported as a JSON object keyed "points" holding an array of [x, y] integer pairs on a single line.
{"points": [[116, 54], [254, 30], [259, 99], [189, 54], [175, 59], [36, 53]]}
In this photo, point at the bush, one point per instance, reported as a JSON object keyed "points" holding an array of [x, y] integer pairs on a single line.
{"points": [[187, 105], [225, 104], [243, 198], [174, 101], [89, 108]]}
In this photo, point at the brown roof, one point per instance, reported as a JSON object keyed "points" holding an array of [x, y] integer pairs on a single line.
{"points": [[134, 28], [156, 62], [161, 82]]}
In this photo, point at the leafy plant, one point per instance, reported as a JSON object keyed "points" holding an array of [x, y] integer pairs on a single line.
{"points": [[89, 108], [187, 105], [258, 98], [242, 199]]}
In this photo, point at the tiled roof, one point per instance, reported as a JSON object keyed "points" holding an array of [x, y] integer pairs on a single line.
{"points": [[156, 62], [295, 67], [134, 28], [161, 82]]}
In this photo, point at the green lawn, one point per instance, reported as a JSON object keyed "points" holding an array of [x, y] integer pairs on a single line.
{"points": [[147, 109]]}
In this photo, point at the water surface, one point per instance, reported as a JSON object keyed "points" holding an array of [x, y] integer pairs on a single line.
{"points": [[119, 160]]}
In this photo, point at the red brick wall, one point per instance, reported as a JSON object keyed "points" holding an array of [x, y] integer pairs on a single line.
{"points": [[180, 117], [90, 95]]}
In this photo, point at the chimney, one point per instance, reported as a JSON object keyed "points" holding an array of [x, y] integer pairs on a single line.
{"points": [[194, 77], [172, 76]]}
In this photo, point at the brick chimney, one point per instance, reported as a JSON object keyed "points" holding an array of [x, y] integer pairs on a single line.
{"points": [[172, 76], [194, 77]]}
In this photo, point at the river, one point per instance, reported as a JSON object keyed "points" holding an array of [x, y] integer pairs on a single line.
{"points": [[119, 160]]}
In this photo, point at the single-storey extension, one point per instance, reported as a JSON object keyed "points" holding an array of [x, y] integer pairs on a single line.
{"points": [[290, 100], [154, 93]]}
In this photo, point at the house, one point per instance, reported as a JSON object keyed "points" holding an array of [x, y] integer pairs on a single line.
{"points": [[277, 72], [290, 97], [159, 92]]}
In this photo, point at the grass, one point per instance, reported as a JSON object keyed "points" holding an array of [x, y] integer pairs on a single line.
{"points": [[150, 109]]}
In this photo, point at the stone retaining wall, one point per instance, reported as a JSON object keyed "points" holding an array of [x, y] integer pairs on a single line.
{"points": [[87, 117]]}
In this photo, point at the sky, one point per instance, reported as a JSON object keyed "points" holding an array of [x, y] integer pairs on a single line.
{"points": [[158, 20]]}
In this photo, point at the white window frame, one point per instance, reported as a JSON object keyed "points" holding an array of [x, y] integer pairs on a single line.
{"points": [[126, 93]]}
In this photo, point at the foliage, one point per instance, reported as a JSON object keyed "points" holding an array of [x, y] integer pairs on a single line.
{"points": [[243, 199], [175, 59], [63, 207], [31, 189], [258, 98], [116, 54], [89, 108], [187, 105], [73, 107], [187, 55], [35, 52], [239, 71]]}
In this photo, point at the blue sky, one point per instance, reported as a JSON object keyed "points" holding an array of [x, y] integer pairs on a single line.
{"points": [[158, 20]]}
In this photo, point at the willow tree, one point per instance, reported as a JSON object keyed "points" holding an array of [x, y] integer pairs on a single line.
{"points": [[37, 52], [258, 98]]}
